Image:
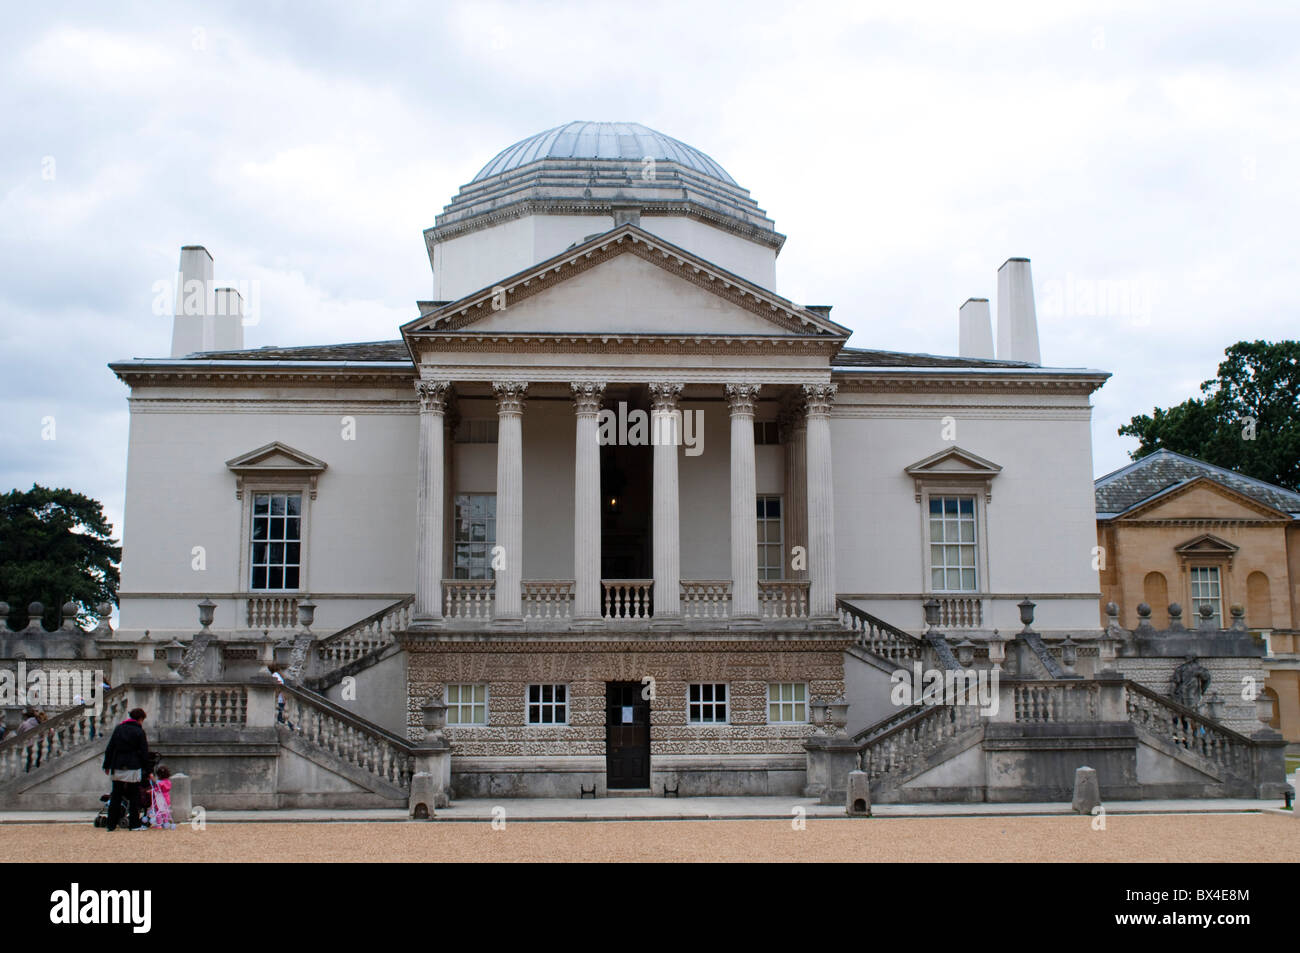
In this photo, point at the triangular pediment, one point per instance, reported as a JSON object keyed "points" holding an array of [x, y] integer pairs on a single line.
{"points": [[275, 456], [954, 461], [626, 281], [1202, 498], [1206, 545], [275, 464], [956, 466]]}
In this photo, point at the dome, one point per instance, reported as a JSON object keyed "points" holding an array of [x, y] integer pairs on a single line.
{"points": [[625, 141]]}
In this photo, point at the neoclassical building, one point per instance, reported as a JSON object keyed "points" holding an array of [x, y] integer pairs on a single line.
{"points": [[609, 497]]}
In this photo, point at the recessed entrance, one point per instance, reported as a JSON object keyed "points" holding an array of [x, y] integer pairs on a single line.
{"points": [[627, 736], [626, 479]]}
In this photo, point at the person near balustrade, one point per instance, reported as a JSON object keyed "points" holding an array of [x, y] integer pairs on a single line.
{"points": [[125, 758]]}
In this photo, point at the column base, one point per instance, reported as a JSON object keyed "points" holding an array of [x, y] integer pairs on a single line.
{"points": [[587, 622], [427, 622], [510, 622], [825, 622], [744, 622], [666, 622]]}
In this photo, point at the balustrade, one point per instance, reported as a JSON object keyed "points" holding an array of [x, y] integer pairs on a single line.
{"points": [[706, 598], [627, 598], [468, 598], [783, 598]]}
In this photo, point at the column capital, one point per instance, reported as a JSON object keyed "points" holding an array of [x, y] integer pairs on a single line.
{"points": [[665, 394], [433, 396], [741, 398], [588, 396], [510, 396], [818, 398]]}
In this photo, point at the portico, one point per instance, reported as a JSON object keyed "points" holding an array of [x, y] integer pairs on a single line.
{"points": [[732, 595]]}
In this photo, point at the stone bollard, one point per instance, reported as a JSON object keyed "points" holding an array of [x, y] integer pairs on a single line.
{"points": [[182, 799], [1087, 792], [424, 796], [858, 802]]}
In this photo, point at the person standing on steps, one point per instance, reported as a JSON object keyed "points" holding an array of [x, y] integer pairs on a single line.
{"points": [[125, 758]]}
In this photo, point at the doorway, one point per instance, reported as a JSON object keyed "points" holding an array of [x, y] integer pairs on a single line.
{"points": [[627, 736]]}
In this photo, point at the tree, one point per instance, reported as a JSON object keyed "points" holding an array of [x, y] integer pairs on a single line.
{"points": [[55, 546], [1248, 420]]}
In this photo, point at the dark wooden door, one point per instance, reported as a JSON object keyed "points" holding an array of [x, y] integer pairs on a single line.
{"points": [[627, 736]]}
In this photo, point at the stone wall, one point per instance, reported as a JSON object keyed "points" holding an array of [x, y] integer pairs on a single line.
{"points": [[509, 756], [1227, 678]]}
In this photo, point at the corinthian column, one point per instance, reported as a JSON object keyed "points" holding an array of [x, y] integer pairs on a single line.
{"points": [[821, 503], [510, 500], [666, 432], [744, 523], [794, 437], [429, 502], [587, 397]]}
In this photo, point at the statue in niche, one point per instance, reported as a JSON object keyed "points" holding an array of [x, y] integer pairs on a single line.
{"points": [[1190, 683]]}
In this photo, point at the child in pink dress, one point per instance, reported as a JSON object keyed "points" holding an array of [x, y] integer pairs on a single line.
{"points": [[161, 798]]}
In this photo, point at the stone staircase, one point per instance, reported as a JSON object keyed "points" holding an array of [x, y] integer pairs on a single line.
{"points": [[350, 650]]}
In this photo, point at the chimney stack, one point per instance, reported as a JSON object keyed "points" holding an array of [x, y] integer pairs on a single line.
{"points": [[1017, 319], [206, 319], [975, 329]]}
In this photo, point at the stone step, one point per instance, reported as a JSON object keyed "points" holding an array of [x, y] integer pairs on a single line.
{"points": [[629, 792]]}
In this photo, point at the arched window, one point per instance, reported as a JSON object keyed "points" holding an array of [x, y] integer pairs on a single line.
{"points": [[1155, 593], [1259, 605]]}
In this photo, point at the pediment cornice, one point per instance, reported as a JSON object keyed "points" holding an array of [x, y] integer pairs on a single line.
{"points": [[276, 462], [627, 239], [1266, 513]]}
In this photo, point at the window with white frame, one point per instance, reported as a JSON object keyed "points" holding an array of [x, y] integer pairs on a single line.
{"points": [[475, 535], [548, 704], [467, 704], [953, 547], [787, 703], [1206, 591], [706, 703], [275, 559], [771, 563]]}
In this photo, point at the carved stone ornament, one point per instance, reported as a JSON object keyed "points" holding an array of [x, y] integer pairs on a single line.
{"points": [[510, 396], [432, 395], [665, 394], [818, 398], [742, 398], [588, 396]]}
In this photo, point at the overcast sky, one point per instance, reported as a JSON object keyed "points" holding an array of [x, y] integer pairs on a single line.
{"points": [[905, 154]]}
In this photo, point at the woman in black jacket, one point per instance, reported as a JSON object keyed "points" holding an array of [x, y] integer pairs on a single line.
{"points": [[125, 759]]}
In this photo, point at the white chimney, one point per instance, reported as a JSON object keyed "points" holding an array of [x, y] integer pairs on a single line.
{"points": [[1017, 319], [227, 321], [975, 329], [193, 280], [206, 318]]}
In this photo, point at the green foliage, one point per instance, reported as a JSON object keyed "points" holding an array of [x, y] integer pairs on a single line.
{"points": [[55, 546], [1259, 382]]}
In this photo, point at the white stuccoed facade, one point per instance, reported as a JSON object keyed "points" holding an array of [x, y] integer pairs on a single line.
{"points": [[565, 283]]}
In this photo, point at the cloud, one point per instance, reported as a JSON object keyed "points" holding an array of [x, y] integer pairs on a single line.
{"points": [[906, 151]]}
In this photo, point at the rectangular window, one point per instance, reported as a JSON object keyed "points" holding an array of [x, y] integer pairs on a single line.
{"points": [[787, 703], [766, 433], [771, 563], [467, 705], [1205, 591], [548, 704], [477, 431], [476, 534], [952, 544], [276, 557], [706, 704]]}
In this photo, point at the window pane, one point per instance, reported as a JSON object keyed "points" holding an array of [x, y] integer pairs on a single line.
{"points": [[936, 578], [936, 506], [967, 505], [291, 577]]}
